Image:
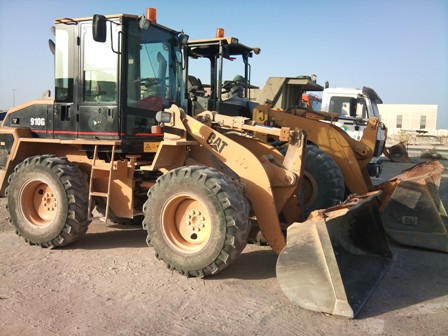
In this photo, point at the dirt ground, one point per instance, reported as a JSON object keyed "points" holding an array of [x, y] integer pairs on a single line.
{"points": [[110, 283]]}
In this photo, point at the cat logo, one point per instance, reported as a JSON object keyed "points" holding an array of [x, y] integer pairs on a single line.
{"points": [[216, 142]]}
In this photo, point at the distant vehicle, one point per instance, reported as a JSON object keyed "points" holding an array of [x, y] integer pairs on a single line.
{"points": [[354, 107]]}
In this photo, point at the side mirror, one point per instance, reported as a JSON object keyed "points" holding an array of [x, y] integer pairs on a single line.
{"points": [[99, 29], [52, 46], [144, 23], [183, 38]]}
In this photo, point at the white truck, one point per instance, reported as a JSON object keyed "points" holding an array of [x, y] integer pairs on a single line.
{"points": [[355, 107]]}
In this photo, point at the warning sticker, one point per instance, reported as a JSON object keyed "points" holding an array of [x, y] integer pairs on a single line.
{"points": [[150, 147]]}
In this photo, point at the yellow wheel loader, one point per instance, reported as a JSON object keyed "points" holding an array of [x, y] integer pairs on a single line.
{"points": [[335, 164], [116, 137]]}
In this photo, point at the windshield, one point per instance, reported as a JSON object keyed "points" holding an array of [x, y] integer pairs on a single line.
{"points": [[342, 105], [218, 70], [154, 74]]}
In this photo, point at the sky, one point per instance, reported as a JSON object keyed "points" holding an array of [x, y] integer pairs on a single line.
{"points": [[397, 47]]}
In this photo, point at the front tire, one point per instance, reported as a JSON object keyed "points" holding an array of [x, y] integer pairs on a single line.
{"points": [[47, 201], [323, 182], [197, 220]]}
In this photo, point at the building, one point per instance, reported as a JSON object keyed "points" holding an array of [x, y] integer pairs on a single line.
{"points": [[409, 117]]}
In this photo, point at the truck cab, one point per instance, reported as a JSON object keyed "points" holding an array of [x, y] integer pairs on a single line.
{"points": [[355, 107]]}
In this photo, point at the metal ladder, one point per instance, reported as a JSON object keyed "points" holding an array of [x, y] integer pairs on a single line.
{"points": [[101, 170]]}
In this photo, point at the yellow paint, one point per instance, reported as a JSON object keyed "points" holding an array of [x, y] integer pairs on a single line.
{"points": [[150, 147], [196, 127]]}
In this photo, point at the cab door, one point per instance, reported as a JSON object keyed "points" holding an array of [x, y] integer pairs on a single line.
{"points": [[98, 99], [62, 117]]}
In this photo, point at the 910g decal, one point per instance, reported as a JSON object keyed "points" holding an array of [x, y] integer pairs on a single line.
{"points": [[37, 121]]}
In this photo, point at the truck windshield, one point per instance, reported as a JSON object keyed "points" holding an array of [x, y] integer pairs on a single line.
{"points": [[154, 70]]}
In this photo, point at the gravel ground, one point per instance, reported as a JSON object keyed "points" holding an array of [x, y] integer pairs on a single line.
{"points": [[110, 283]]}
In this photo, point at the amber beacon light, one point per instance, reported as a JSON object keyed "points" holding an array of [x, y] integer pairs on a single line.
{"points": [[151, 14], [219, 32]]}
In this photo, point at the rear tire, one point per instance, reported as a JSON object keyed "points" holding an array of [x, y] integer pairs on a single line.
{"points": [[47, 201], [197, 220]]}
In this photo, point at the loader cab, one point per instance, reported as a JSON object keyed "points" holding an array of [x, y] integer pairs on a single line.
{"points": [[138, 74], [112, 75], [231, 96]]}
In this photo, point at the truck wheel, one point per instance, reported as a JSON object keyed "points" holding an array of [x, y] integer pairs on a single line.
{"points": [[197, 220], [47, 201], [323, 183]]}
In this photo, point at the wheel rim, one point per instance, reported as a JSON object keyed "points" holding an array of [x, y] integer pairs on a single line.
{"points": [[309, 187], [38, 203], [186, 224]]}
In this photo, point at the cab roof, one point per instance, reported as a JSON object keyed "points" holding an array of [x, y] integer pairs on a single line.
{"points": [[120, 17], [210, 47]]}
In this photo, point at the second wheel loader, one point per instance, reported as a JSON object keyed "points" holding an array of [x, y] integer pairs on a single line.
{"points": [[335, 163]]}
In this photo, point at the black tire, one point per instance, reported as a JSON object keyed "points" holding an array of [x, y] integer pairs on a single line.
{"points": [[187, 200], [322, 183], [48, 200]]}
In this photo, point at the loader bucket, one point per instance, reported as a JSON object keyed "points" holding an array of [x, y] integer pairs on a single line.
{"points": [[333, 261], [397, 153], [412, 212]]}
